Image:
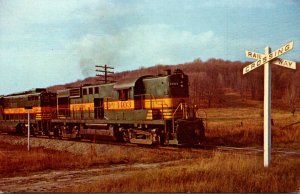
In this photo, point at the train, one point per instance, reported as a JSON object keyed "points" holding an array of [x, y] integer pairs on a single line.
{"points": [[150, 110]]}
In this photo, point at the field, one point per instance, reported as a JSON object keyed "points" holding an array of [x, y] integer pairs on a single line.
{"points": [[218, 173], [243, 127], [141, 169]]}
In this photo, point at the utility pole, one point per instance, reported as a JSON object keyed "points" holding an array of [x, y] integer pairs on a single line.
{"points": [[106, 75]]}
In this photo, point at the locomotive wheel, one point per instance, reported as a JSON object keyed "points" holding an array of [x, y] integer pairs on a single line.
{"points": [[56, 132], [19, 129], [24, 130], [32, 131], [125, 136], [49, 134]]}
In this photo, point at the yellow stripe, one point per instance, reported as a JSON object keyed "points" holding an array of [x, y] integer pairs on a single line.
{"points": [[21, 110], [35, 110], [43, 115], [82, 106], [111, 105], [162, 103], [164, 106], [119, 105]]}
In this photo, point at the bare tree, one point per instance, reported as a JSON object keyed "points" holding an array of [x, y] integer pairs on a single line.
{"points": [[292, 91]]}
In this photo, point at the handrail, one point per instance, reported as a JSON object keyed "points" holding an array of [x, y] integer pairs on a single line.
{"points": [[173, 115], [78, 113], [197, 115], [162, 109]]}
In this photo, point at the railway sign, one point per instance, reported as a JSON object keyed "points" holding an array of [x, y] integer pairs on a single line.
{"points": [[268, 57], [276, 61], [265, 59]]}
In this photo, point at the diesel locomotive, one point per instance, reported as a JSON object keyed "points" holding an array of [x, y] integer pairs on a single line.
{"points": [[13, 113], [148, 110]]}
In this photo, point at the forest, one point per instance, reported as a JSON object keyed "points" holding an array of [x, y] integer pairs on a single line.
{"points": [[211, 80]]}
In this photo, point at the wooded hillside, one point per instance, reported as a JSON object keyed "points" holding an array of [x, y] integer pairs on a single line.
{"points": [[212, 80]]}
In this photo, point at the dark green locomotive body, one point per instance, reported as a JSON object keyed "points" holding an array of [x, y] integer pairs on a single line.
{"points": [[144, 110], [141, 110]]}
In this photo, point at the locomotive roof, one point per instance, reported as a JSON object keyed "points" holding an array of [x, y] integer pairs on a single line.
{"points": [[128, 82], [29, 92]]}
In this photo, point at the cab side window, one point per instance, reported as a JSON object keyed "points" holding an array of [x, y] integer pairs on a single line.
{"points": [[123, 94]]}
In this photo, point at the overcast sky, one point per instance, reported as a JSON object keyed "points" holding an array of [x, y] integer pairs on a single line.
{"points": [[48, 42]]}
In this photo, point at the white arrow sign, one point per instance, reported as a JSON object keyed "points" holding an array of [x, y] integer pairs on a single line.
{"points": [[269, 57], [276, 61]]}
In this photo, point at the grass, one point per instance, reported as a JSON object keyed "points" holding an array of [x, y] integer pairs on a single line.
{"points": [[16, 160], [119, 154], [220, 173], [244, 127], [188, 172]]}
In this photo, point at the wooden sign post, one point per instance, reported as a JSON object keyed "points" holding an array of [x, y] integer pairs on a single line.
{"points": [[266, 59], [29, 108]]}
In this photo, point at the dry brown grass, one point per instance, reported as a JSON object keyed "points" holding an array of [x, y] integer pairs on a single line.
{"points": [[215, 172], [221, 173], [129, 155], [16, 160], [244, 127]]}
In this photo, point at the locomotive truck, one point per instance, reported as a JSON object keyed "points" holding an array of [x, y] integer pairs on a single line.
{"points": [[148, 110]]}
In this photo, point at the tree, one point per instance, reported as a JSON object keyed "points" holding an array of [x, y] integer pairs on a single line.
{"points": [[292, 91]]}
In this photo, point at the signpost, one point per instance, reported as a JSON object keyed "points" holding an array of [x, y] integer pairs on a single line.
{"points": [[266, 59], [28, 132]]}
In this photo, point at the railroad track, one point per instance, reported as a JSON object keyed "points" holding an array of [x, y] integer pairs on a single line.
{"points": [[258, 150], [233, 150], [178, 148]]}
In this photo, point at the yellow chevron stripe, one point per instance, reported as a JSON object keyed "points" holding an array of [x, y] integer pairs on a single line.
{"points": [[162, 103]]}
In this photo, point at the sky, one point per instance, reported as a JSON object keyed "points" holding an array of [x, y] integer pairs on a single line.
{"points": [[49, 42]]}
